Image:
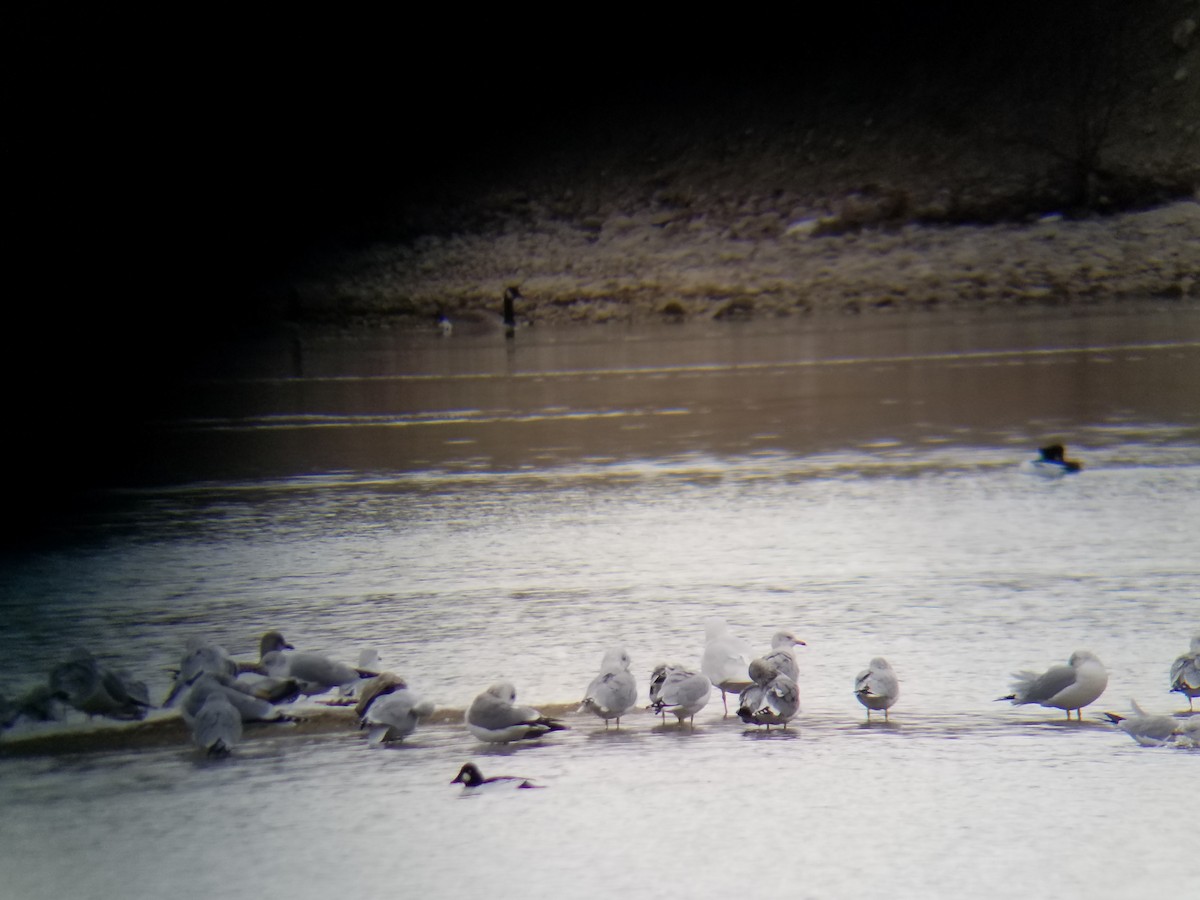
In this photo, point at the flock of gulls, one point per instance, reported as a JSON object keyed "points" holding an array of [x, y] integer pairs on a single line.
{"points": [[216, 694]]}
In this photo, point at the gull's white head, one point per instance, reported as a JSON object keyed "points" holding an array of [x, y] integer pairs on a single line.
{"points": [[503, 690]]}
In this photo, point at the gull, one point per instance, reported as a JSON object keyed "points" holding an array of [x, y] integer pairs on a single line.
{"points": [[1051, 463], [199, 657], [613, 692], [773, 699], [82, 683], [726, 659], [781, 655], [217, 725], [1185, 673], [38, 704], [680, 691], [393, 715], [315, 672], [1147, 730], [876, 687], [250, 708], [1069, 687], [383, 683], [469, 777], [494, 718]]}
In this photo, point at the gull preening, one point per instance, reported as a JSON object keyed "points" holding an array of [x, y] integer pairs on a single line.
{"points": [[200, 657], [393, 715], [242, 696], [613, 692], [726, 659], [679, 691], [877, 687], [1071, 687], [470, 777], [493, 717], [1185, 673], [773, 698], [216, 726]]}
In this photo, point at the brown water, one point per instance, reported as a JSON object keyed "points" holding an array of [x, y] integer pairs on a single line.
{"points": [[478, 509]]}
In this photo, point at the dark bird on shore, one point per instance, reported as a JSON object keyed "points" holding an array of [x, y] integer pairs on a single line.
{"points": [[469, 776]]}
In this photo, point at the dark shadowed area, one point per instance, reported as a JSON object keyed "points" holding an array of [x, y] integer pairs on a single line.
{"points": [[169, 191]]}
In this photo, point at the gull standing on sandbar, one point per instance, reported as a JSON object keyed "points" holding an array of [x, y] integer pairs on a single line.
{"points": [[773, 699], [613, 692], [781, 655], [679, 691], [493, 717], [726, 659], [1071, 687], [877, 687], [1185, 673]]}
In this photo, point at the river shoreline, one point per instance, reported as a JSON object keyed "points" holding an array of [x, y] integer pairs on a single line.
{"points": [[689, 267]]}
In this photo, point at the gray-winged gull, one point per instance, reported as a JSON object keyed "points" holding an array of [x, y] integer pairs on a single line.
{"points": [[216, 726], [613, 692], [1071, 687], [1185, 673], [773, 699], [678, 690], [877, 687], [393, 716], [493, 717]]}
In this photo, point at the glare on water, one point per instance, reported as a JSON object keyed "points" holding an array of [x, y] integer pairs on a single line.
{"points": [[478, 511]]}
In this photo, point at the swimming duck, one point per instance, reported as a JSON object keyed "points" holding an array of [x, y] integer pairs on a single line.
{"points": [[469, 776], [1052, 463]]}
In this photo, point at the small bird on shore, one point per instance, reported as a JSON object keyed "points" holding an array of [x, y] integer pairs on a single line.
{"points": [[613, 692], [494, 718], [1185, 673], [877, 687], [1052, 462], [679, 691], [470, 777], [1071, 687], [773, 699]]}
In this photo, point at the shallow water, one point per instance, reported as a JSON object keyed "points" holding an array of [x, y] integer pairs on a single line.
{"points": [[478, 509]]}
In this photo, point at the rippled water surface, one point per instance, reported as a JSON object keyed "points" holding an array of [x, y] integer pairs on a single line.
{"points": [[478, 509]]}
